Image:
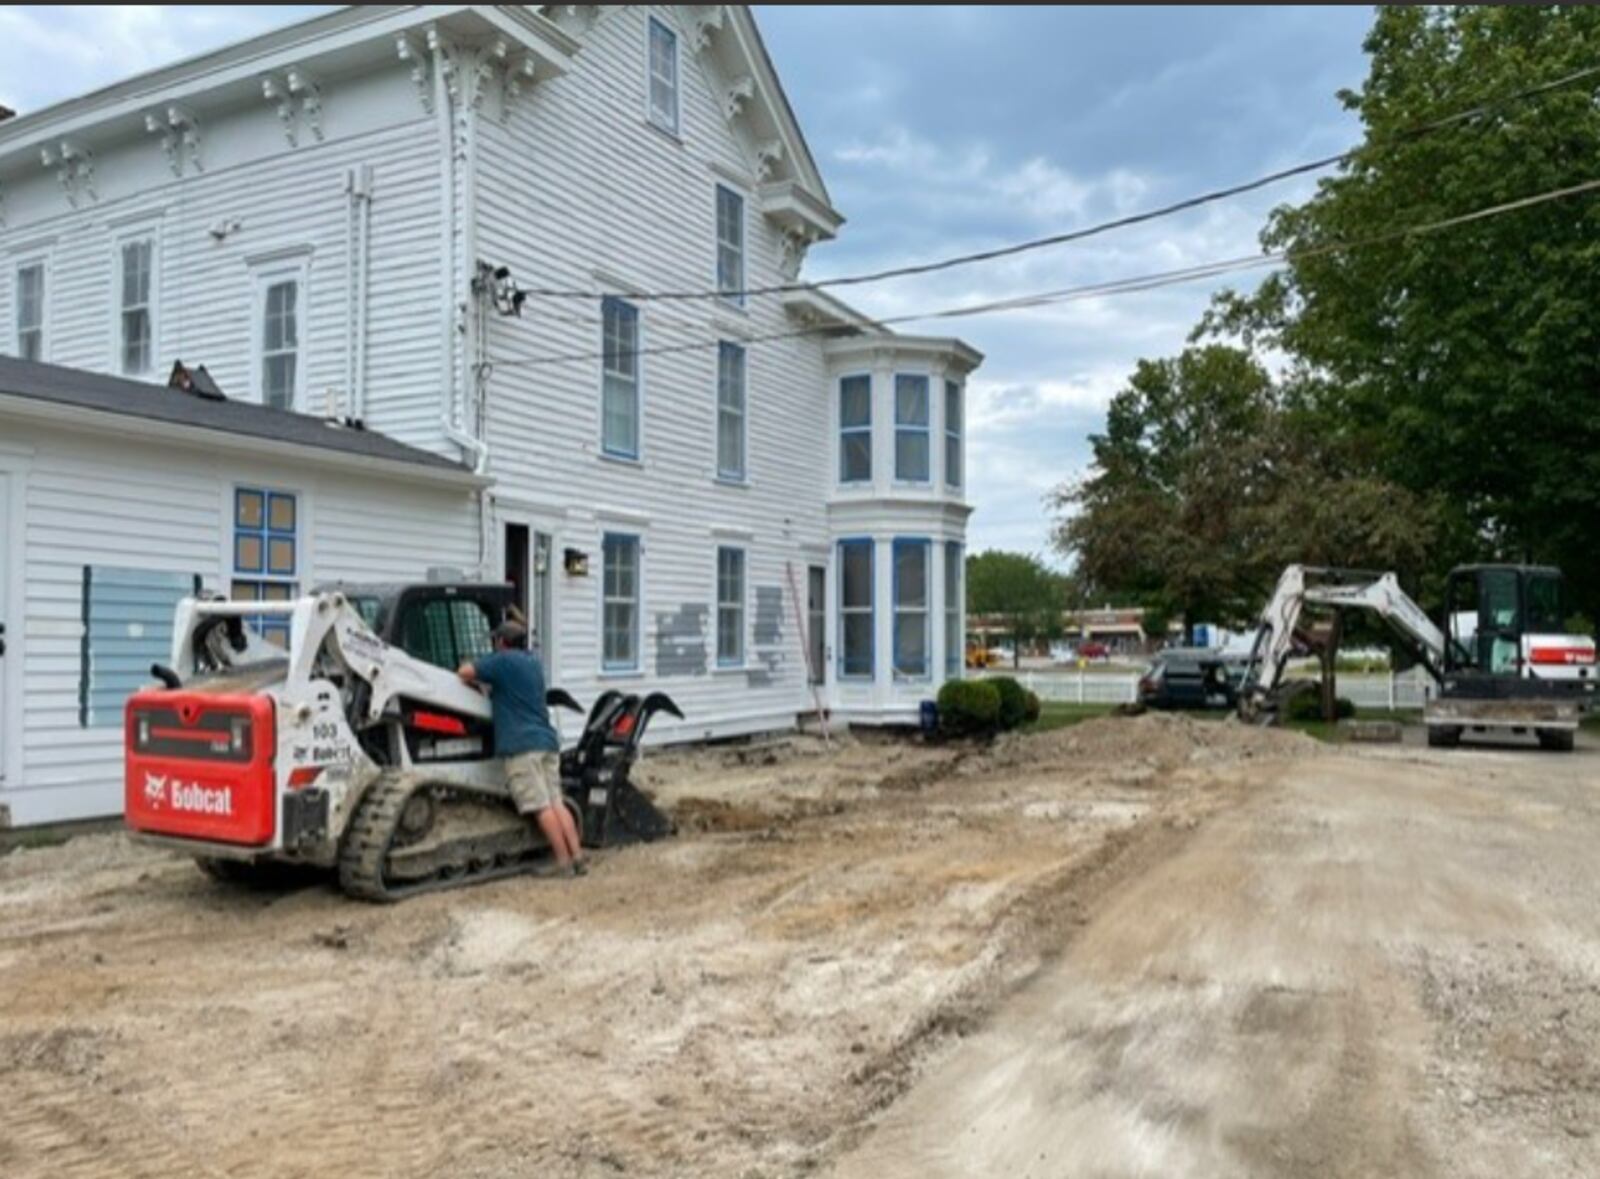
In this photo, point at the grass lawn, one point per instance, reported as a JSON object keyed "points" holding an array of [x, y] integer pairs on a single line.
{"points": [[1056, 715]]}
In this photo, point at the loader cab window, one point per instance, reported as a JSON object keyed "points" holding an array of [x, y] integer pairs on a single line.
{"points": [[1547, 614], [446, 632], [1485, 621]]}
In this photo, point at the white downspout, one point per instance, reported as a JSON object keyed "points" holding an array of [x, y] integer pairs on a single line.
{"points": [[364, 287], [350, 270]]}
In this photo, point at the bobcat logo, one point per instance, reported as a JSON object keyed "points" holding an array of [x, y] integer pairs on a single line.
{"points": [[155, 790]]}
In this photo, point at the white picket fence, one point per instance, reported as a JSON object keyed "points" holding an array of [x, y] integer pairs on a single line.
{"points": [[1404, 691]]}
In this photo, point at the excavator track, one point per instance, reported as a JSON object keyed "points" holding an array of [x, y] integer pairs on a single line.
{"points": [[377, 864]]}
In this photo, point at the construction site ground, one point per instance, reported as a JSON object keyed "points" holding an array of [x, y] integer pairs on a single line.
{"points": [[1145, 946]]}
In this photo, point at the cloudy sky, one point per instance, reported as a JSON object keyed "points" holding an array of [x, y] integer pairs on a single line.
{"points": [[945, 130]]}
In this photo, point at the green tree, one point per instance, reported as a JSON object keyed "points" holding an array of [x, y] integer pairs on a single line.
{"points": [[1210, 477], [1463, 365], [1020, 591]]}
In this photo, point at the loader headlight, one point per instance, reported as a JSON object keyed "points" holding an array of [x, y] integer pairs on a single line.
{"points": [[239, 733], [142, 731]]}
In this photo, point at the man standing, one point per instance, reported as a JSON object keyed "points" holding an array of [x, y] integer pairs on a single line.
{"points": [[525, 739]]}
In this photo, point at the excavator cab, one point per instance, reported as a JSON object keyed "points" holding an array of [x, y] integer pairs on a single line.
{"points": [[1492, 613]]}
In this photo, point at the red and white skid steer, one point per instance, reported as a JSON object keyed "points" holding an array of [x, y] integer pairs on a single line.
{"points": [[356, 748]]}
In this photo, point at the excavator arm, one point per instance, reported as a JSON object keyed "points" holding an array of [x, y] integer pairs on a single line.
{"points": [[1301, 586]]}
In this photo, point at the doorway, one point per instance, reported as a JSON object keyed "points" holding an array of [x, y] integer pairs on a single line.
{"points": [[528, 570], [817, 620]]}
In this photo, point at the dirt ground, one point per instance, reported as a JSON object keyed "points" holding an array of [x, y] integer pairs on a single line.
{"points": [[1146, 946]]}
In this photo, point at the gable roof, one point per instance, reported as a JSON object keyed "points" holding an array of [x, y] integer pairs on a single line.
{"points": [[68, 394]]}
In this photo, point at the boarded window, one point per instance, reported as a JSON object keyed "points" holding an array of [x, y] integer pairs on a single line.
{"points": [[855, 430], [265, 555], [730, 411], [663, 76], [855, 609], [911, 608], [619, 380], [127, 626]]}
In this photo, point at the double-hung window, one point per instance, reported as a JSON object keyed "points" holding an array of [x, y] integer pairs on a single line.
{"points": [[730, 412], [855, 609], [952, 434], [911, 608], [281, 364], [855, 430], [663, 77], [910, 428], [30, 311], [619, 393], [952, 610], [619, 622], [265, 566], [730, 245], [136, 305], [730, 607]]}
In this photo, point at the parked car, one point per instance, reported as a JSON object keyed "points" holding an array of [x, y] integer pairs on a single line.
{"points": [[1190, 677], [1093, 649]]}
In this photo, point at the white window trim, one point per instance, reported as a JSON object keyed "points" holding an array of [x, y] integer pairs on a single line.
{"points": [[19, 263], [839, 429], [296, 266], [606, 453], [742, 662], [677, 78], [737, 301], [151, 232], [896, 427], [960, 435], [636, 668], [742, 477]]}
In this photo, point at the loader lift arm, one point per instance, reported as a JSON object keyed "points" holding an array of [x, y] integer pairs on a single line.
{"points": [[1301, 586]]}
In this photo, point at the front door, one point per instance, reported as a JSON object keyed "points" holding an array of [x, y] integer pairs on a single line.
{"points": [[817, 620]]}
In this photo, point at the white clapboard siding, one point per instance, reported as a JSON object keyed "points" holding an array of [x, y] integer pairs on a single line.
{"points": [[579, 191], [90, 499]]}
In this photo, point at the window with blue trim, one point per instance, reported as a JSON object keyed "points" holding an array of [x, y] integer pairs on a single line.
{"points": [[952, 434], [855, 610], [952, 610], [730, 607], [265, 555], [619, 379], [855, 430], [910, 428], [619, 620], [911, 607]]}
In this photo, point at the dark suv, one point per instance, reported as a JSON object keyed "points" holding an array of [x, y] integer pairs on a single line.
{"points": [[1188, 677]]}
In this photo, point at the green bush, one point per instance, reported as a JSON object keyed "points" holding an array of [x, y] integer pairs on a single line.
{"points": [[969, 708], [1307, 706], [1033, 709], [1013, 702]]}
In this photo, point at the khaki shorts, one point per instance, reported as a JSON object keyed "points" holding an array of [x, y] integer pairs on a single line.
{"points": [[534, 780]]}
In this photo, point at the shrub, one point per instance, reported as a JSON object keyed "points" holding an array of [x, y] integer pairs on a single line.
{"points": [[1013, 702], [969, 708], [1306, 705], [1032, 712]]}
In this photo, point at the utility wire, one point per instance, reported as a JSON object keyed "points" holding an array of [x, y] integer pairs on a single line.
{"points": [[1122, 286], [1405, 135]]}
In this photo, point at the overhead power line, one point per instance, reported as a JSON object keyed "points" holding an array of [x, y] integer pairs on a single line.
{"points": [[1109, 288], [1194, 202]]}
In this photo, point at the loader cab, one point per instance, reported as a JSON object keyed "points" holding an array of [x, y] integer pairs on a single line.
{"points": [[1491, 609], [442, 623]]}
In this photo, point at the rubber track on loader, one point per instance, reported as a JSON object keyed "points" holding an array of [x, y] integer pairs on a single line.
{"points": [[363, 858]]}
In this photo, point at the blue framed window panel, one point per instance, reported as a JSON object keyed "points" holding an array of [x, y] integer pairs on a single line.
{"points": [[127, 626], [730, 606], [619, 378], [856, 623], [911, 607], [910, 428], [953, 652], [855, 429], [265, 555], [619, 610], [952, 434]]}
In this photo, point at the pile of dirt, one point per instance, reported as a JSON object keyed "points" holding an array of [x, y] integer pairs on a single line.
{"points": [[1158, 741]]}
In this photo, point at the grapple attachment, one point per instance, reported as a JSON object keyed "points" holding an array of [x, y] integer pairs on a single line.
{"points": [[594, 774]]}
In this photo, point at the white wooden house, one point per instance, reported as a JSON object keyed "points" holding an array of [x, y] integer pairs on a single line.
{"points": [[338, 221]]}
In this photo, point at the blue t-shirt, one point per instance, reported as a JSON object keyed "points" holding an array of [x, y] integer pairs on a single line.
{"points": [[521, 720]]}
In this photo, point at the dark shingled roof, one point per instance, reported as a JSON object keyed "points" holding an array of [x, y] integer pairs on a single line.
{"points": [[79, 389]]}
